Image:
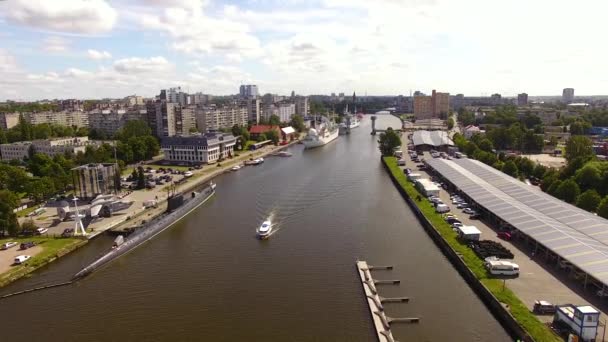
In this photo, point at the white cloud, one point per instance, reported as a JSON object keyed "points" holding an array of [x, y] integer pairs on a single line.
{"points": [[194, 32], [188, 4], [97, 55], [136, 65], [71, 16], [55, 44], [8, 62]]}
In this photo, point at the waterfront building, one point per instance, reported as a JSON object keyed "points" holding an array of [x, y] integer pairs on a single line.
{"points": [[50, 147], [91, 180], [206, 148], [256, 130], [214, 118], [248, 90], [568, 95], [8, 120], [109, 121]]}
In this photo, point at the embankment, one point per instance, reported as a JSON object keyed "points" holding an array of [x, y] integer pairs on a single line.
{"points": [[515, 317]]}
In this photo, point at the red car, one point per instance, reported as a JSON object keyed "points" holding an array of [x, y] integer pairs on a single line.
{"points": [[504, 235]]}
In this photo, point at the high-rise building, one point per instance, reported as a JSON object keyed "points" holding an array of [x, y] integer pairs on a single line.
{"points": [[109, 121], [435, 106], [253, 110], [457, 101], [522, 99], [302, 105], [423, 107], [200, 98], [185, 120], [568, 95], [248, 90], [165, 118], [176, 95]]}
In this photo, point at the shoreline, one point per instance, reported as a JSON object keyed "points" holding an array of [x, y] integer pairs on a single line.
{"points": [[195, 182]]}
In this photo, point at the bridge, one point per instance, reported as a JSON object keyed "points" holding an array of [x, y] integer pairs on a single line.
{"points": [[376, 130]]}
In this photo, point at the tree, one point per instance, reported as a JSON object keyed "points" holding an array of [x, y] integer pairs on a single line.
{"points": [[262, 137], [3, 139], [510, 168], [602, 208], [273, 135], [578, 146], [525, 166], [450, 123], [40, 188], [486, 145], [274, 120], [141, 178], [388, 142], [588, 177], [297, 122], [28, 226], [9, 198], [133, 128], [25, 128], [589, 200], [531, 120], [568, 191], [579, 127], [550, 177], [236, 130], [531, 142], [539, 171], [8, 220]]}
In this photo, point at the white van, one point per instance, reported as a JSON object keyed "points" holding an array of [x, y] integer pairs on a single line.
{"points": [[399, 154], [502, 267], [21, 259], [442, 208]]}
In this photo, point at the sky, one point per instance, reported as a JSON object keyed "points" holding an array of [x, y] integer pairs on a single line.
{"points": [[109, 48]]}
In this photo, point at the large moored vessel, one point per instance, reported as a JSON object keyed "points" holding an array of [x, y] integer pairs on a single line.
{"points": [[326, 132]]}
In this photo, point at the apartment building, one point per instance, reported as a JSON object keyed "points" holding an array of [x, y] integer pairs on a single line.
{"points": [[109, 121], [302, 105], [8, 120], [206, 148], [435, 106], [213, 118], [50, 147], [63, 118]]}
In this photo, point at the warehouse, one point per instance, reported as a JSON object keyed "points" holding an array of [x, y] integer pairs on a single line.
{"points": [[431, 140], [574, 239]]}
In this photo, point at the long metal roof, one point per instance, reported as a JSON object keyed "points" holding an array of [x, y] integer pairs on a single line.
{"points": [[433, 138], [574, 234]]}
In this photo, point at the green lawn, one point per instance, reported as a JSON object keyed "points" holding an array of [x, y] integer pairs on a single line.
{"points": [[51, 248], [25, 212], [539, 331]]}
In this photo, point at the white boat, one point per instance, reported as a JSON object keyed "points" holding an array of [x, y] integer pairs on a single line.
{"points": [[327, 132], [285, 154], [188, 174], [354, 123], [236, 168], [264, 230]]}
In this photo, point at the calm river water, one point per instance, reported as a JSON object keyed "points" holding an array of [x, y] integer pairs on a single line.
{"points": [[209, 279]]}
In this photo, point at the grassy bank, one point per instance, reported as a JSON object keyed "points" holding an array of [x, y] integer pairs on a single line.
{"points": [[520, 312], [51, 250]]}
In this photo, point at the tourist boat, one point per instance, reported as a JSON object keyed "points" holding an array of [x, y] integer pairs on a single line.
{"points": [[236, 168], [285, 154], [264, 230], [327, 132]]}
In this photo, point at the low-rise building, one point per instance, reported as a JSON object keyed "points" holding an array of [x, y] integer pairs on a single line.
{"points": [[50, 147], [8, 120], [256, 130], [197, 149], [62, 118], [91, 180], [471, 130]]}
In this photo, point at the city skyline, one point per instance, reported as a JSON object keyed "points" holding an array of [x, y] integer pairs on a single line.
{"points": [[105, 48]]}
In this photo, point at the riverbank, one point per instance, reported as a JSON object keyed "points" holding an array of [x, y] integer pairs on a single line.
{"points": [[500, 300], [51, 249], [200, 177]]}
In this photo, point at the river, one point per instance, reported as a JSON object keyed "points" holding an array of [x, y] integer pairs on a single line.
{"points": [[208, 277]]}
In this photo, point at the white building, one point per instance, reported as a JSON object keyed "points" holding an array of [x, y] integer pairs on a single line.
{"points": [[50, 147], [471, 130], [63, 118], [134, 100], [176, 95], [283, 110], [196, 149]]}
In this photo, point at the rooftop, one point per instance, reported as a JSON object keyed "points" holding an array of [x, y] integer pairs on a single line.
{"points": [[573, 234], [199, 140], [433, 138]]}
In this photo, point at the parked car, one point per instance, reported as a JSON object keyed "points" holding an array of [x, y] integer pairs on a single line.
{"points": [[468, 211], [26, 245], [475, 216], [462, 205], [456, 200], [453, 220], [41, 231], [542, 307], [408, 171], [20, 259], [8, 245], [401, 162], [504, 235]]}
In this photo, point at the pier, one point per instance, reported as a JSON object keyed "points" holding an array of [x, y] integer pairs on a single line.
{"points": [[382, 322]]}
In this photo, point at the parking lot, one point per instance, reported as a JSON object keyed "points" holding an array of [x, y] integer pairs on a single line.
{"points": [[538, 280], [7, 257]]}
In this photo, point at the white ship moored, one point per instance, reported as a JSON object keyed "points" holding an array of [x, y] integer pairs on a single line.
{"points": [[328, 131]]}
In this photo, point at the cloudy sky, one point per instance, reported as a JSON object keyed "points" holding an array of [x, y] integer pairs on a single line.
{"points": [[111, 48]]}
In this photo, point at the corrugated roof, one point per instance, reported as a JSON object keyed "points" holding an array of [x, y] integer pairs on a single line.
{"points": [[572, 233], [433, 138]]}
